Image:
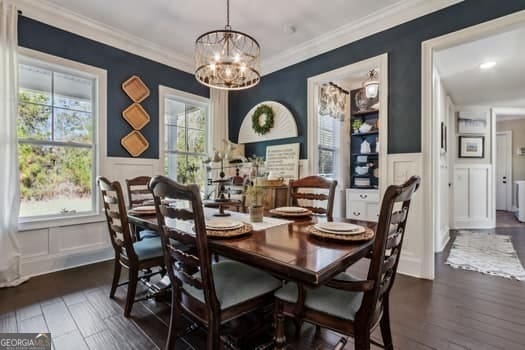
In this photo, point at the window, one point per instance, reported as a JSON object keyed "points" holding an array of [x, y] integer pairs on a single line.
{"points": [[185, 139], [328, 140], [56, 140]]}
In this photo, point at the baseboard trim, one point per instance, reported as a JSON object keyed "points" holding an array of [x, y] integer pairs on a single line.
{"points": [[444, 238], [44, 264], [414, 267]]}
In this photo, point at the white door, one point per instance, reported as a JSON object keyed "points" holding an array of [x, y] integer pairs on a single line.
{"points": [[503, 180]]}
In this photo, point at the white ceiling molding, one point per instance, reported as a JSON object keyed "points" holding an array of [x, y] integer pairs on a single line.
{"points": [[379, 21], [56, 16]]}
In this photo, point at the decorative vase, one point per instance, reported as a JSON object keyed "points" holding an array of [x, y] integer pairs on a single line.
{"points": [[256, 213]]}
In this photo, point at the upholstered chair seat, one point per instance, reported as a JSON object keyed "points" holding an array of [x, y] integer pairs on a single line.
{"points": [[148, 248], [236, 283], [334, 302], [148, 234]]}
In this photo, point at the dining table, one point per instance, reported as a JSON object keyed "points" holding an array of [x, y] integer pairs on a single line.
{"points": [[288, 251]]}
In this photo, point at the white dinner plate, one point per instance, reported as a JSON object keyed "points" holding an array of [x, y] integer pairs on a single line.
{"points": [[356, 231], [291, 209], [338, 226], [223, 224], [147, 208]]}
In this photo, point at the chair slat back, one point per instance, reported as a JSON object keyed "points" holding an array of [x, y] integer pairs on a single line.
{"points": [[138, 191], [387, 244], [117, 218], [186, 226], [297, 198]]}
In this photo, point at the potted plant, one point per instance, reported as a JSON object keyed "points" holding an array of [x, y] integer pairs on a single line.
{"points": [[253, 195], [356, 124]]}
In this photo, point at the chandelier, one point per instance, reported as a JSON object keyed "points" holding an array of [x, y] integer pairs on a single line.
{"points": [[227, 59]]}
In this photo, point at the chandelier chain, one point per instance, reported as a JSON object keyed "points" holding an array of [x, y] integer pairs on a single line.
{"points": [[228, 14]]}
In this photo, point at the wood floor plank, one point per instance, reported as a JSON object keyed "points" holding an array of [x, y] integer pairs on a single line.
{"points": [[74, 298], [28, 312], [70, 341], [104, 306], [87, 319], [58, 318], [33, 325], [103, 341], [125, 331], [8, 323]]}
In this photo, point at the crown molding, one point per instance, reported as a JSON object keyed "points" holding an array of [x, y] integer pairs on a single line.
{"points": [[57, 16], [376, 22], [393, 15]]}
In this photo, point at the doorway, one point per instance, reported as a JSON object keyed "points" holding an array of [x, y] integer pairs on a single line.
{"points": [[503, 163], [471, 143]]}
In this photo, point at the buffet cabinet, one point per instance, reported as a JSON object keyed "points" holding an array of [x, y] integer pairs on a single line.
{"points": [[362, 204]]}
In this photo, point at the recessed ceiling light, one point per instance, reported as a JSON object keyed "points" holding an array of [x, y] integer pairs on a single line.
{"points": [[487, 65]]}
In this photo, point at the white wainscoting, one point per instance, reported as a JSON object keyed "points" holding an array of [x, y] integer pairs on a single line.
{"points": [[400, 168], [62, 247], [473, 202]]}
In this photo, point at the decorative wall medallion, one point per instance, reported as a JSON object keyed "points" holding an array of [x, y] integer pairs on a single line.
{"points": [[262, 119], [284, 125]]}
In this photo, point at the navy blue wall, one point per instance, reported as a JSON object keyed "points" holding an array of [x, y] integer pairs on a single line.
{"points": [[403, 45], [120, 65]]}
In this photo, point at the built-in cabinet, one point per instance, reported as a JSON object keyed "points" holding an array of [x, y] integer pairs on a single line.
{"points": [[362, 204], [362, 198]]}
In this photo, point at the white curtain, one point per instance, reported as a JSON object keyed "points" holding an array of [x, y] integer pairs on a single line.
{"points": [[219, 118], [9, 196]]}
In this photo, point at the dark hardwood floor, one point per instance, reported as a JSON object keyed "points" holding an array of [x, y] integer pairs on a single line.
{"points": [[458, 310]]}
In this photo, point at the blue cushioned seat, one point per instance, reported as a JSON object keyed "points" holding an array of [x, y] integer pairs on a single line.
{"points": [[324, 299], [148, 234], [148, 248], [235, 283]]}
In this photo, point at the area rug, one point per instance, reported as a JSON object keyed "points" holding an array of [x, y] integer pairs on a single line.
{"points": [[486, 253]]}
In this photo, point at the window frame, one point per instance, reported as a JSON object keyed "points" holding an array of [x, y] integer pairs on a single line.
{"points": [[166, 92], [335, 149], [98, 145]]}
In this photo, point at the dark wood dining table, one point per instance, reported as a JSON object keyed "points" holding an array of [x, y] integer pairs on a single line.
{"points": [[287, 251]]}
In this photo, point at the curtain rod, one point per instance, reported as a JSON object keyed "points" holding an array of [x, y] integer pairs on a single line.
{"points": [[340, 88]]}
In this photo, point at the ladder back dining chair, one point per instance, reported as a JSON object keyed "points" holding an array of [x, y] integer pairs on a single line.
{"points": [[138, 195], [210, 294], [129, 253], [346, 304], [318, 184]]}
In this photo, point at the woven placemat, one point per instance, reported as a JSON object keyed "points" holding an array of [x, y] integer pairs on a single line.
{"points": [[244, 229], [365, 236]]}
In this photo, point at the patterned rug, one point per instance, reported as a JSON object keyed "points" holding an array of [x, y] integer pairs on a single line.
{"points": [[486, 253]]}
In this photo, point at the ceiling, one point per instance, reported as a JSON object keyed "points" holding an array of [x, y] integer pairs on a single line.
{"points": [[279, 26], [501, 86]]}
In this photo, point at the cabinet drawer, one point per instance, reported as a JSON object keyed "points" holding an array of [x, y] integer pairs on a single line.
{"points": [[369, 196], [372, 212], [356, 210]]}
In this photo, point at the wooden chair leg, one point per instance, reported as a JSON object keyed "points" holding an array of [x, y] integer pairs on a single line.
{"points": [[362, 339], [384, 324], [175, 314], [298, 324], [214, 337], [280, 338], [132, 289], [116, 277]]}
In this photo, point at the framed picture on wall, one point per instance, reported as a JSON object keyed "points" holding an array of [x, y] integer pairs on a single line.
{"points": [[443, 138], [472, 122], [471, 147]]}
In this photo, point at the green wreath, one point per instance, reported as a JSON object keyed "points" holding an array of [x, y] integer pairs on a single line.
{"points": [[268, 123]]}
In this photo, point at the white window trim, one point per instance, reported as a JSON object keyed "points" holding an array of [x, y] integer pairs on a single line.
{"points": [[165, 92], [100, 75]]}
